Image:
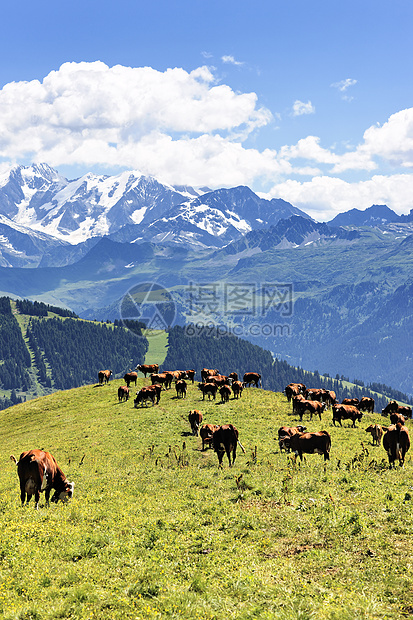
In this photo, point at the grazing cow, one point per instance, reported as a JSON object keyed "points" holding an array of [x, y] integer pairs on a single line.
{"points": [[350, 401], [314, 394], [206, 373], [288, 431], [175, 374], [156, 389], [38, 472], [346, 412], [225, 392], [291, 391], [225, 440], [332, 398], [233, 376], [145, 394], [208, 388], [313, 407], [310, 443], [237, 388], [162, 378], [189, 374], [206, 432], [180, 387], [376, 433], [251, 377], [148, 369], [219, 380], [130, 377], [104, 376], [123, 393], [396, 442], [195, 418], [366, 404]]}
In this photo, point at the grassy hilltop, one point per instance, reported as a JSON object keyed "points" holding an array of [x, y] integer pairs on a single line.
{"points": [[156, 530]]}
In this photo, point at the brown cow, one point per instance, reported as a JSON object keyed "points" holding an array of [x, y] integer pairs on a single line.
{"points": [[189, 374], [225, 440], [208, 372], [156, 389], [310, 443], [219, 380], [291, 391], [314, 394], [396, 442], [206, 432], [391, 407], [251, 377], [296, 400], [397, 417], [130, 377], [145, 394], [376, 433], [405, 411], [346, 412], [208, 388], [313, 407], [195, 418], [350, 401], [163, 378], [180, 387], [123, 393], [237, 388], [38, 471], [366, 404], [148, 369], [288, 431], [225, 392], [233, 376], [104, 376]]}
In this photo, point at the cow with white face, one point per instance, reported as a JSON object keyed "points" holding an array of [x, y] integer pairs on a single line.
{"points": [[38, 471]]}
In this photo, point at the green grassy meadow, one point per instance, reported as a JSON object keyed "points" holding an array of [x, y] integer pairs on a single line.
{"points": [[156, 530]]}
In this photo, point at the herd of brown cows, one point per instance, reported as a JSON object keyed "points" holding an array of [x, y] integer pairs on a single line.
{"points": [[38, 471], [396, 439]]}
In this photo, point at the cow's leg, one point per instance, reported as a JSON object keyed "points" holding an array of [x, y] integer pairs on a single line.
{"points": [[47, 496], [37, 499], [23, 493]]}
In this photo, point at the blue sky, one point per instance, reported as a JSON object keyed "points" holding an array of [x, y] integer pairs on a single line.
{"points": [[305, 100]]}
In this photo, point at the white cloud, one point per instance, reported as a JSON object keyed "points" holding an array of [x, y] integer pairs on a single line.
{"points": [[324, 197], [300, 108], [88, 113], [344, 84], [185, 127], [231, 61]]}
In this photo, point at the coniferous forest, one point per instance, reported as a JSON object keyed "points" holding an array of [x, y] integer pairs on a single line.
{"points": [[53, 350], [60, 353]]}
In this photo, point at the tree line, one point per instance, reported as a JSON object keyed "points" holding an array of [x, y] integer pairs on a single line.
{"points": [[228, 353]]}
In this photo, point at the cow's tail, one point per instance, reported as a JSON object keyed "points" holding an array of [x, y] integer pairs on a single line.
{"points": [[13, 458], [241, 446]]}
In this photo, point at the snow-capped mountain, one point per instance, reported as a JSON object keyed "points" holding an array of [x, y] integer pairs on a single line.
{"points": [[128, 207], [91, 206]]}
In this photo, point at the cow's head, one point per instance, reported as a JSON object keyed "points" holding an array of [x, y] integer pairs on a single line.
{"points": [[64, 494]]}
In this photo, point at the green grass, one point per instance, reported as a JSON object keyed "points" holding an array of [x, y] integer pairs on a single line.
{"points": [[156, 530], [158, 347]]}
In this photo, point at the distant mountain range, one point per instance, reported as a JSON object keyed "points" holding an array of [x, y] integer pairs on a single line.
{"points": [[40, 212], [83, 244], [377, 215]]}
